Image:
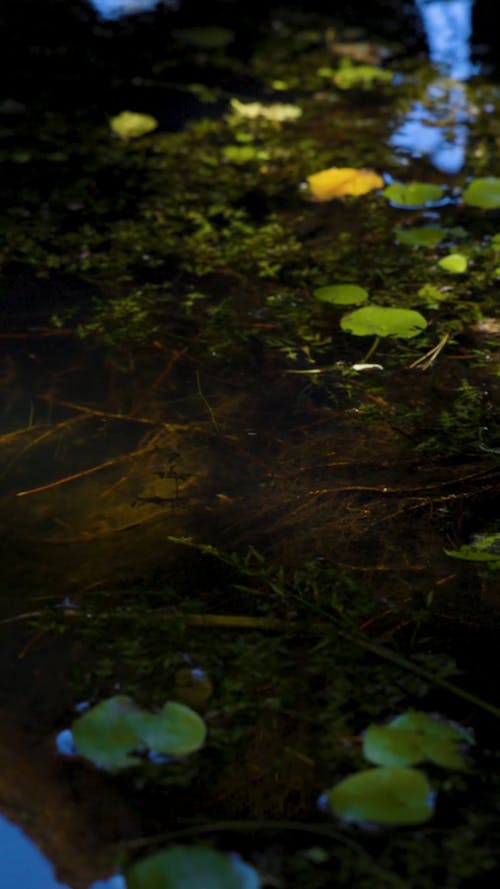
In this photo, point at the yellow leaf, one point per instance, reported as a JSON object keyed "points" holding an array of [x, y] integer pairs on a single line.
{"points": [[336, 182]]}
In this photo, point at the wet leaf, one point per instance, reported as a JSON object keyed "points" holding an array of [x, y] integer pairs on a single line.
{"points": [[414, 737], [456, 263], [383, 796], [176, 730], [107, 733], [192, 867], [483, 192], [111, 733], [342, 294], [130, 125], [337, 182], [484, 548], [420, 235], [383, 321], [278, 112], [413, 195], [350, 76]]}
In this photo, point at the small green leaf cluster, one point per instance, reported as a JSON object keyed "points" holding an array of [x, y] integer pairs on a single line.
{"points": [[395, 793]]}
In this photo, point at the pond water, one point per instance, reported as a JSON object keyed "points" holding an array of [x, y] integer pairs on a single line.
{"points": [[249, 446]]}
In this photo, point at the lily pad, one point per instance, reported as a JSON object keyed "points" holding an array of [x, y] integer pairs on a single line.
{"points": [[342, 294], [456, 263], [112, 733], [414, 737], [176, 730], [483, 192], [484, 548], [420, 235], [108, 733], [383, 796], [383, 321], [130, 125], [413, 195], [192, 867], [337, 182]]}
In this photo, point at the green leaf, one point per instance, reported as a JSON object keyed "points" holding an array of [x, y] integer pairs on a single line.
{"points": [[413, 194], [130, 125], [383, 796], [349, 76], [107, 733], [484, 548], [111, 733], [383, 321], [177, 730], [414, 737], [341, 294], [483, 192], [456, 263], [420, 235], [191, 867]]}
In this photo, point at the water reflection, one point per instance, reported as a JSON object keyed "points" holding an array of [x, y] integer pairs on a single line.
{"points": [[22, 863], [438, 126], [115, 9]]}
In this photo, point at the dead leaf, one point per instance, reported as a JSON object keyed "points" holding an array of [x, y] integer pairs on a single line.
{"points": [[336, 182]]}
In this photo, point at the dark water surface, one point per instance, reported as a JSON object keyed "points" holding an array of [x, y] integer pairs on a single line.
{"points": [[211, 492]]}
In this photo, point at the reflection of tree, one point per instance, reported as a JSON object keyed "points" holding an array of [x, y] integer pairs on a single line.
{"points": [[438, 125]]}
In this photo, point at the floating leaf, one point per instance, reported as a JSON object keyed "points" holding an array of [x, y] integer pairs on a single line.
{"points": [[111, 733], [349, 76], [414, 737], [484, 548], [208, 37], [456, 263], [383, 796], [337, 182], [413, 194], [192, 867], [420, 235], [130, 125], [176, 730], [279, 112], [342, 294], [483, 192], [107, 733], [383, 321]]}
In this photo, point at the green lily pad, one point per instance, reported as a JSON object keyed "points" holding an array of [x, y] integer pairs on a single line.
{"points": [[349, 76], [130, 125], [420, 235], [383, 321], [456, 263], [191, 867], [483, 192], [484, 548], [108, 733], [383, 796], [114, 731], [341, 294], [176, 730], [413, 194], [415, 737]]}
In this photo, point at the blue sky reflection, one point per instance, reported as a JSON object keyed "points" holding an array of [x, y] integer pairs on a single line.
{"points": [[22, 863], [115, 9], [438, 126]]}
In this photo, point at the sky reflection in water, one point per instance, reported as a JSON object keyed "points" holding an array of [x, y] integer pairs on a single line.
{"points": [[438, 128], [115, 9]]}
